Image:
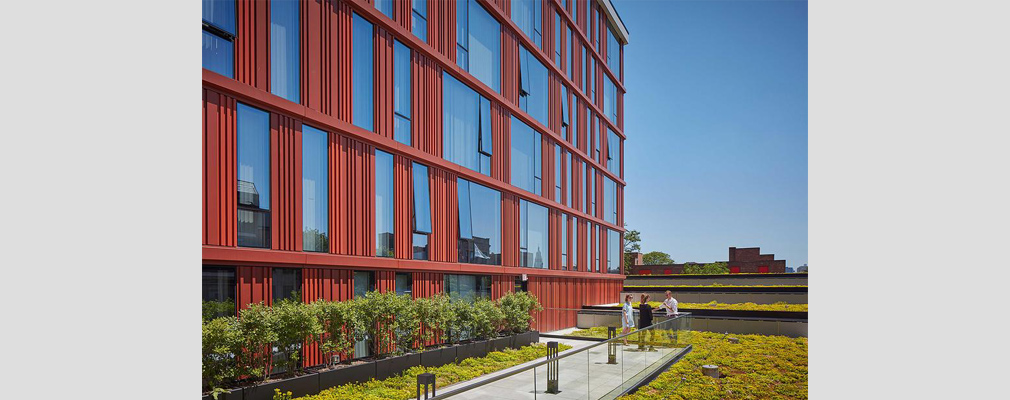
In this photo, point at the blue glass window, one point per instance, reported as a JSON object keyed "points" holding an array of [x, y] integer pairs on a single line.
{"points": [[404, 284], [613, 53], [591, 174], [253, 147], [284, 59], [401, 93], [287, 284], [533, 94], [526, 164], [462, 34], [609, 200], [361, 73], [614, 252], [386, 7], [568, 179], [565, 122], [596, 140], [568, 52], [218, 292], [479, 223], [610, 99], [315, 206], [557, 173], [526, 15], [557, 40], [478, 43], [533, 239], [583, 187], [592, 79], [466, 126], [575, 243], [419, 19], [422, 211], [364, 282], [600, 242], [467, 287], [384, 204], [613, 152], [564, 241], [219, 36]]}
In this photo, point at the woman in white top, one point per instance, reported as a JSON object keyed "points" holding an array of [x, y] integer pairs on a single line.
{"points": [[670, 304], [627, 317]]}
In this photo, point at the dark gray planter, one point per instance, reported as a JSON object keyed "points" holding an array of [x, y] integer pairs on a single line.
{"points": [[438, 357], [535, 336], [393, 366], [234, 394], [348, 374], [465, 351], [500, 344], [523, 339], [298, 386]]}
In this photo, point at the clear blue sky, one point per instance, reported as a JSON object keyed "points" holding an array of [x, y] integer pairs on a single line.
{"points": [[716, 119]]}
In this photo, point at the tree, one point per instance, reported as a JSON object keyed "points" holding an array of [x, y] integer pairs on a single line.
{"points": [[706, 269], [656, 258], [631, 245]]}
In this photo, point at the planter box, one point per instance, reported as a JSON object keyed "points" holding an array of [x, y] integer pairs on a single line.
{"points": [[348, 374], [534, 336], [393, 366], [471, 350], [502, 343], [439, 357], [298, 386], [234, 394], [523, 339]]}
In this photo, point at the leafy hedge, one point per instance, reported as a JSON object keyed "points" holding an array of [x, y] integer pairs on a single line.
{"points": [[706, 269], [404, 386], [237, 347], [759, 367], [713, 305]]}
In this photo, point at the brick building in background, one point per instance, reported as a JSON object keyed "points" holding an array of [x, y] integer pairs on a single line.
{"points": [[745, 260], [470, 147]]}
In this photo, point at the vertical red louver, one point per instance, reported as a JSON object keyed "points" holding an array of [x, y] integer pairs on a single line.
{"points": [[219, 175], [352, 190], [285, 182]]}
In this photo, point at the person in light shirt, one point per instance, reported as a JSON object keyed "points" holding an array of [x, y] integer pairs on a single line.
{"points": [[627, 317], [670, 304]]}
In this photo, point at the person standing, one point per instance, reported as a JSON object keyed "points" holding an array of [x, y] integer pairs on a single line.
{"points": [[644, 321], [670, 304], [627, 317]]}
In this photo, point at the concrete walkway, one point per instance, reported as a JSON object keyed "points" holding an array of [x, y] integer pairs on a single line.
{"points": [[581, 376]]}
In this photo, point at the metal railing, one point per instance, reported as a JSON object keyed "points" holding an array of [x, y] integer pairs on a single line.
{"points": [[659, 345]]}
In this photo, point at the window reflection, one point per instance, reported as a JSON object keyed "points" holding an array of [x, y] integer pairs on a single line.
{"points": [[384, 204], [287, 284], [284, 57], [361, 73], [526, 154], [253, 147], [218, 292], [315, 214], [533, 235], [479, 223]]}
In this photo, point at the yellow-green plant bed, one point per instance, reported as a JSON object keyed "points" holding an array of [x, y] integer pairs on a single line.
{"points": [[713, 305], [759, 367], [403, 387], [714, 285]]}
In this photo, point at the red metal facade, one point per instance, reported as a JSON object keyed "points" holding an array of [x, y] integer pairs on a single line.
{"points": [[326, 101]]}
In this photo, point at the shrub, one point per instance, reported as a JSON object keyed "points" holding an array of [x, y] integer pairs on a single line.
{"points": [[487, 319], [222, 343], [517, 308], [293, 323], [461, 320], [337, 321], [214, 309], [433, 312], [377, 312], [256, 324], [406, 324]]}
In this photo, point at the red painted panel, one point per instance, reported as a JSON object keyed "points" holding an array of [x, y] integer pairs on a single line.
{"points": [[444, 216], [251, 43], [426, 105], [510, 230], [219, 176], [734, 270], [255, 285], [509, 67], [762, 269], [285, 180], [340, 67], [403, 209], [352, 194], [383, 83], [500, 140]]}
